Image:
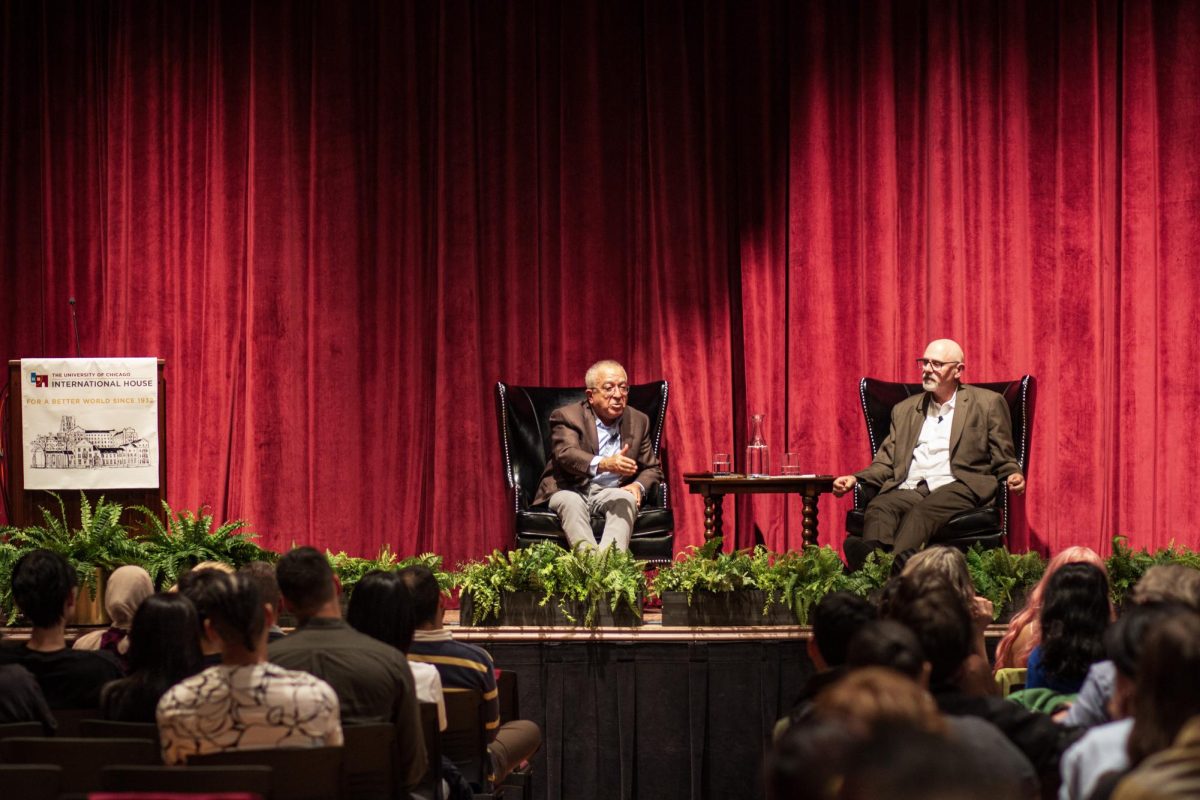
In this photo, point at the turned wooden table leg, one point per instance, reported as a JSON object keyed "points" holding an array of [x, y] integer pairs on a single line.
{"points": [[712, 516], [809, 523]]}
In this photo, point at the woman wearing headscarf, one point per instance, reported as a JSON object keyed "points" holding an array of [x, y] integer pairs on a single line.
{"points": [[127, 587]]}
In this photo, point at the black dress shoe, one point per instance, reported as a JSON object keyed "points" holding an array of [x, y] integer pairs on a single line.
{"points": [[857, 550]]}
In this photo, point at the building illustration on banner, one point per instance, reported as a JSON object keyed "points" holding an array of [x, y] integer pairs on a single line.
{"points": [[75, 447]]}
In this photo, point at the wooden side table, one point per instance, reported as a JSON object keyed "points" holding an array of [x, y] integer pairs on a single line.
{"points": [[714, 488]]}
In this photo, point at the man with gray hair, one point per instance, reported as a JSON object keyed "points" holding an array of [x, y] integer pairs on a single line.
{"points": [[602, 459], [947, 450]]}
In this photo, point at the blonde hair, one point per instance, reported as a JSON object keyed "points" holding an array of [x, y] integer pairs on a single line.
{"points": [[946, 563], [1031, 614], [872, 697]]}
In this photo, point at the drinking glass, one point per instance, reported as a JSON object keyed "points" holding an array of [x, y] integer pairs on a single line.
{"points": [[791, 464], [722, 464]]}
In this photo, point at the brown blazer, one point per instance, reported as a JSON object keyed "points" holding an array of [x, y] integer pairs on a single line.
{"points": [[981, 442], [573, 445]]}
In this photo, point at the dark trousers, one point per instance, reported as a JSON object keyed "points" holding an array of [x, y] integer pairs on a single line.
{"points": [[906, 519]]}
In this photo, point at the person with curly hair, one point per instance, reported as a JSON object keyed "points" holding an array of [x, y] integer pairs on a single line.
{"points": [[1073, 620], [1024, 630]]}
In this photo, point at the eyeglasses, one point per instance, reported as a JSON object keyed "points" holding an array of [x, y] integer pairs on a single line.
{"points": [[936, 366], [612, 389]]}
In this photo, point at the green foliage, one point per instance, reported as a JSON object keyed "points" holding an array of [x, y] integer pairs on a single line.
{"points": [[1126, 567], [708, 569], [9, 553], [873, 576], [100, 542], [804, 577], [1001, 576], [351, 569], [583, 575], [189, 537]]}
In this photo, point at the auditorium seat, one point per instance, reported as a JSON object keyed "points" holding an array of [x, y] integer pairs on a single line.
{"points": [[109, 729], [23, 729], [31, 781], [524, 418], [986, 525], [250, 780], [81, 760], [298, 773]]}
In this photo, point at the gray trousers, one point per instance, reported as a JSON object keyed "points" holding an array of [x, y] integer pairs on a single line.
{"points": [[575, 508], [908, 518]]}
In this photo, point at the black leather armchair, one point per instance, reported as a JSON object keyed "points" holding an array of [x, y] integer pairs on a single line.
{"points": [[986, 525], [524, 416]]}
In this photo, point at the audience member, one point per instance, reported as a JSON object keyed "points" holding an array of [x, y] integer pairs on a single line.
{"points": [[44, 588], [263, 575], [381, 607], [1024, 629], [810, 761], [1172, 774], [163, 650], [465, 666], [935, 613], [373, 680], [193, 585], [21, 699], [949, 564], [244, 703], [1167, 692], [1075, 614], [127, 587], [1164, 583], [887, 643], [1104, 748]]}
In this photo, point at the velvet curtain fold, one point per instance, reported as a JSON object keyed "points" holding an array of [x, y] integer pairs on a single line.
{"points": [[342, 223]]}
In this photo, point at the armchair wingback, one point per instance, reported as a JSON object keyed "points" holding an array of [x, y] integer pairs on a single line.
{"points": [[524, 416], [986, 525]]}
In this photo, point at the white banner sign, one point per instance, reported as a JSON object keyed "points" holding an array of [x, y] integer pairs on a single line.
{"points": [[90, 423]]}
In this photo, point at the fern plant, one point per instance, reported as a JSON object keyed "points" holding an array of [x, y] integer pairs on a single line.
{"points": [[708, 569], [873, 575], [100, 542], [9, 553], [188, 537], [1001, 576], [804, 577], [1126, 567], [351, 569]]}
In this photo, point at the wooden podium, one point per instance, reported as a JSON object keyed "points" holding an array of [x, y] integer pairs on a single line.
{"points": [[23, 504]]}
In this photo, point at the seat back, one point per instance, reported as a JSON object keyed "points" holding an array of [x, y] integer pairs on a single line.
{"points": [[23, 729], [431, 784], [878, 397], [464, 741], [81, 759], [368, 761], [31, 781], [250, 779], [298, 773], [506, 686], [70, 719], [524, 416], [110, 729]]}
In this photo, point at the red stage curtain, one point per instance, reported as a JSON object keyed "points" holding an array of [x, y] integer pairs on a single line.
{"points": [[341, 223]]}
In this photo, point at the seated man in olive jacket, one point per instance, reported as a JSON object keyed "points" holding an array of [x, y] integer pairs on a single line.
{"points": [[946, 451]]}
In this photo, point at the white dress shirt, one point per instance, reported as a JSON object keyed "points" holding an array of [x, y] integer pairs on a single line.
{"points": [[931, 456]]}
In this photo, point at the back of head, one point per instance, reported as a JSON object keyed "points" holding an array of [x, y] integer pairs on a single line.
{"points": [[263, 575], [162, 638], [1074, 616], [887, 643], [875, 698], [194, 585], [125, 590], [835, 621], [306, 580], [934, 611], [234, 609], [1125, 638], [810, 760], [1168, 583], [423, 589], [1032, 612], [1167, 693], [946, 563], [42, 582], [380, 607]]}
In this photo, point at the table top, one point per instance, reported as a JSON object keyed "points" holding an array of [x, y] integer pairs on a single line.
{"points": [[734, 482]]}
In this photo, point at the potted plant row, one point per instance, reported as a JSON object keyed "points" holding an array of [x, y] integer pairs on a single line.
{"points": [[543, 585]]}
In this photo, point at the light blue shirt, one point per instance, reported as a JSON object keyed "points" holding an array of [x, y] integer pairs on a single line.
{"points": [[609, 439]]}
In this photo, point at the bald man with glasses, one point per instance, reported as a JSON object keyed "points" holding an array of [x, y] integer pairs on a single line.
{"points": [[601, 459], [946, 452]]}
